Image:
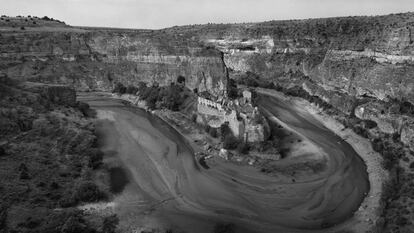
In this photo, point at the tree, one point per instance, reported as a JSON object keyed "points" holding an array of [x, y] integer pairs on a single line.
{"points": [[84, 108], [2, 151], [181, 79], [232, 93], [224, 228], [142, 86], [224, 130], [243, 148], [74, 224], [110, 223], [230, 142], [213, 132], [131, 89], [119, 88], [95, 158], [193, 119], [87, 191]]}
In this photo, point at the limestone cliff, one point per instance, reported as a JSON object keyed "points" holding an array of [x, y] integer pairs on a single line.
{"points": [[359, 56], [96, 59]]}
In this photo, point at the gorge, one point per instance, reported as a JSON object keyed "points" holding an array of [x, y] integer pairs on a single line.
{"points": [[361, 67]]}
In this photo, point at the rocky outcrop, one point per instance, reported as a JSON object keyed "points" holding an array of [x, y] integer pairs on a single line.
{"points": [[389, 119], [376, 111], [407, 134]]}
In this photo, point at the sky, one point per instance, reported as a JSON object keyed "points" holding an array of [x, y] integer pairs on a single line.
{"points": [[155, 14]]}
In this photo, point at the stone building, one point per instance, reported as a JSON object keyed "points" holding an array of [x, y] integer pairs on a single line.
{"points": [[245, 121]]}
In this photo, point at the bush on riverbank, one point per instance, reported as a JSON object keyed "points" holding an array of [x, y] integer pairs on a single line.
{"points": [[156, 97], [119, 88], [230, 142]]}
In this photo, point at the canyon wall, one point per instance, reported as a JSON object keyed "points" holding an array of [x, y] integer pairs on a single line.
{"points": [[95, 59], [358, 56], [341, 60]]}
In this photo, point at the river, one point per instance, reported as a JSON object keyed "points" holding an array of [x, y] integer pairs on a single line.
{"points": [[176, 191]]}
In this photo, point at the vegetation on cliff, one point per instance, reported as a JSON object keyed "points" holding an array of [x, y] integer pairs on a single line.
{"points": [[48, 159]]}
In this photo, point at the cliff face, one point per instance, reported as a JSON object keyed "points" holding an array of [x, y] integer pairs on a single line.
{"points": [[341, 60], [96, 59], [358, 56], [344, 61]]}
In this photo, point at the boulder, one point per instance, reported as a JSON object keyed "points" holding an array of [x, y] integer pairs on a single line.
{"points": [[379, 112], [224, 154]]}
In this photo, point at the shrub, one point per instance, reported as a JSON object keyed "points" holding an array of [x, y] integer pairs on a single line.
{"points": [[207, 128], [171, 97], [377, 145], [95, 158], [369, 124], [75, 224], [181, 79], [396, 137], [407, 108], [2, 151], [88, 191], [3, 215], [224, 130], [84, 108], [224, 228], [232, 93], [360, 131], [24, 175], [119, 88], [389, 160], [230, 142], [131, 89], [243, 148], [194, 118], [213, 132], [109, 224], [24, 172]]}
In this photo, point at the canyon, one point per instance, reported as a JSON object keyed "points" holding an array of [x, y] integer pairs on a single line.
{"points": [[361, 66], [341, 60]]}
